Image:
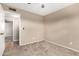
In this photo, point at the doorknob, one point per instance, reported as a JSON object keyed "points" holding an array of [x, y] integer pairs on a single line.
{"points": [[1, 33]]}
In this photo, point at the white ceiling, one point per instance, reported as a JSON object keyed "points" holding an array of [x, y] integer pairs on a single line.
{"points": [[36, 7]]}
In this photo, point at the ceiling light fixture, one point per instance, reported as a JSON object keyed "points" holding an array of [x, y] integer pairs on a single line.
{"points": [[28, 3], [42, 6]]}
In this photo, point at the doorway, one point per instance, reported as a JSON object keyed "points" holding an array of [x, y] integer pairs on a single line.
{"points": [[8, 33], [9, 30], [12, 29]]}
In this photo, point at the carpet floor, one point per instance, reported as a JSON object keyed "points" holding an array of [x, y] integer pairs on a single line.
{"points": [[42, 48]]}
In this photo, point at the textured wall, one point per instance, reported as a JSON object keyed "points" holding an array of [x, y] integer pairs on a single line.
{"points": [[63, 27]]}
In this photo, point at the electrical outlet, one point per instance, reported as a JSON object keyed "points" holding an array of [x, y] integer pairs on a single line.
{"points": [[70, 43]]}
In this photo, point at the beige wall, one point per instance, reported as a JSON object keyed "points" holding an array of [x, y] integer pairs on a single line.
{"points": [[33, 31], [33, 27], [62, 27]]}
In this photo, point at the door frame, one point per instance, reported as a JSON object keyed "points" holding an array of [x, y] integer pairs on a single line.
{"points": [[13, 14]]}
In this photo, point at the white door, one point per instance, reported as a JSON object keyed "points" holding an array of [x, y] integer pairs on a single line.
{"points": [[2, 28]]}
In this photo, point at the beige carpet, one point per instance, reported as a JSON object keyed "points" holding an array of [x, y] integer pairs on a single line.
{"points": [[42, 48]]}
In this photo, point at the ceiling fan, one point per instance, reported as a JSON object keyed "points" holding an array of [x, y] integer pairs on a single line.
{"points": [[42, 5]]}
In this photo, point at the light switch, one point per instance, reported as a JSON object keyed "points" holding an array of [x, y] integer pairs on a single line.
{"points": [[1, 33], [23, 28]]}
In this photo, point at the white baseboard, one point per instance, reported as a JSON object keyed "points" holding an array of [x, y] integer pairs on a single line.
{"points": [[30, 42], [63, 46]]}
